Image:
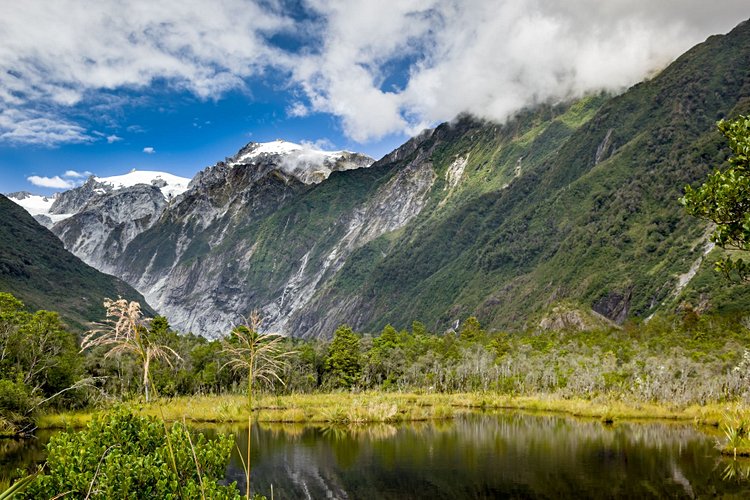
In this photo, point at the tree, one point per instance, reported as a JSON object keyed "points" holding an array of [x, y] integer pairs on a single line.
{"points": [[125, 331], [724, 199], [343, 363], [38, 362], [471, 330], [12, 316], [47, 353], [386, 359]]}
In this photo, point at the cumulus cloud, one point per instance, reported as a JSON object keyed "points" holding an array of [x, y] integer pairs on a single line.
{"points": [[113, 138], [490, 57], [74, 46], [379, 67], [149, 150], [55, 182]]}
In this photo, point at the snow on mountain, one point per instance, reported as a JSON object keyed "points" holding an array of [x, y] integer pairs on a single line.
{"points": [[41, 207], [169, 184], [304, 162], [277, 147], [38, 206]]}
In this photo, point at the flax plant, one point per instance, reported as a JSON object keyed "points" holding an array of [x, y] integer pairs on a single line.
{"points": [[262, 357], [125, 331]]}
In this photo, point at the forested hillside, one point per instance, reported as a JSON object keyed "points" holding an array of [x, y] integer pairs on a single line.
{"points": [[36, 268]]}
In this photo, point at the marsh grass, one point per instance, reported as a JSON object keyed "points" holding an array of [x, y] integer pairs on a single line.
{"points": [[371, 407]]}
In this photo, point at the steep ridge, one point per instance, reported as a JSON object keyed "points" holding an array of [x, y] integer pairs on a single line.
{"points": [[246, 236], [36, 268]]}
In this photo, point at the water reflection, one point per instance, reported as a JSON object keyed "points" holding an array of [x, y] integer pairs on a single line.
{"points": [[23, 454], [476, 456], [487, 456]]}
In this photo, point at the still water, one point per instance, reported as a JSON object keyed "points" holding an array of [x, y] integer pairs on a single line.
{"points": [[506, 455]]}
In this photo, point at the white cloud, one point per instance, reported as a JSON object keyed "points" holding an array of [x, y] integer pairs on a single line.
{"points": [[489, 57], [319, 145], [74, 46], [30, 127], [297, 110], [55, 182], [149, 150], [113, 138], [76, 175]]}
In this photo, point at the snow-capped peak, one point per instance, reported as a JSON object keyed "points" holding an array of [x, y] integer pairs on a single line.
{"points": [[33, 203], [170, 185], [277, 147], [38, 206], [305, 162]]}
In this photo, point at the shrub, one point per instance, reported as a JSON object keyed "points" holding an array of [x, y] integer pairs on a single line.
{"points": [[15, 407], [121, 455]]}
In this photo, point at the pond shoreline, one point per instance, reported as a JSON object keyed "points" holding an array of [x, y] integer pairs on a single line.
{"points": [[497, 452], [372, 407]]}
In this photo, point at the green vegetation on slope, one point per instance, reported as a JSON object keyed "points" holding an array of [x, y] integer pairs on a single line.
{"points": [[36, 268], [593, 216]]}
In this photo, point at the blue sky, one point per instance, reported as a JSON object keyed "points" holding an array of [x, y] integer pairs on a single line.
{"points": [[177, 85], [185, 132]]}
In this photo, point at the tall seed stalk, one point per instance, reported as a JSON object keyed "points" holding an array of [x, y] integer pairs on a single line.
{"points": [[262, 356], [125, 331]]}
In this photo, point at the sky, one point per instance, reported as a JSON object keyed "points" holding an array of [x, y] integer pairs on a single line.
{"points": [[177, 85]]}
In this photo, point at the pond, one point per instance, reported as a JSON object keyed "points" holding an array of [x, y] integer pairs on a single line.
{"points": [[476, 456]]}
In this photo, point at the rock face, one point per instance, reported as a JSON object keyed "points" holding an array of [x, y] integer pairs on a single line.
{"points": [[228, 228], [614, 306], [103, 226], [104, 214], [72, 201]]}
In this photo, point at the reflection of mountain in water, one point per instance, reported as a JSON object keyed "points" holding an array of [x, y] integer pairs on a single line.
{"points": [[508, 455]]}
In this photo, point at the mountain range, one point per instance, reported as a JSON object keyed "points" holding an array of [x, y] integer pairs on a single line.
{"points": [[567, 206]]}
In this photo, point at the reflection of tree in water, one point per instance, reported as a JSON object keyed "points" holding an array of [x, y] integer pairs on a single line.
{"points": [[23, 454], [482, 456]]}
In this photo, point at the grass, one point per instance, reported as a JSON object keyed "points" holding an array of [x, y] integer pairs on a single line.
{"points": [[398, 407]]}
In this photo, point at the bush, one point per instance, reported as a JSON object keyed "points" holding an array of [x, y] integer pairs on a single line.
{"points": [[15, 406], [121, 455]]}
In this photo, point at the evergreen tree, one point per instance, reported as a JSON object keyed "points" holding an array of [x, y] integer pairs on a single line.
{"points": [[343, 363]]}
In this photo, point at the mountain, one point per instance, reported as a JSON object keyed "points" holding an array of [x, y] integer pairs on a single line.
{"points": [[98, 219], [36, 268], [38, 206], [568, 205]]}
